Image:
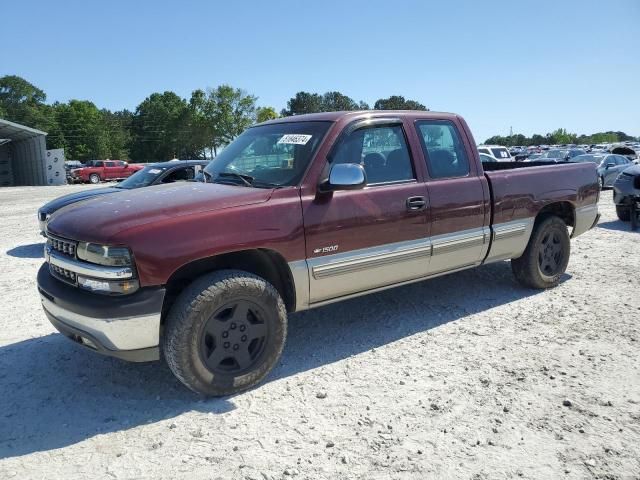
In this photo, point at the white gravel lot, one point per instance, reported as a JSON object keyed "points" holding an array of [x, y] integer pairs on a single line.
{"points": [[459, 377]]}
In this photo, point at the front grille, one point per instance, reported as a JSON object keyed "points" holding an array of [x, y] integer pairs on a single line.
{"points": [[63, 274], [66, 247]]}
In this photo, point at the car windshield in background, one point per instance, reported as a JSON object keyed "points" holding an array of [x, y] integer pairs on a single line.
{"points": [[555, 154], [588, 158], [142, 178], [500, 153], [269, 155]]}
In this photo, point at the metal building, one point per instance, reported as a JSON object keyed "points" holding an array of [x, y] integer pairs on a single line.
{"points": [[24, 159]]}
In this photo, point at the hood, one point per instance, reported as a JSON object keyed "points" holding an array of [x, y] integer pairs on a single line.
{"points": [[633, 170], [100, 219], [65, 200]]}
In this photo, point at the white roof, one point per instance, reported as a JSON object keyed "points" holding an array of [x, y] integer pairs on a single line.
{"points": [[16, 132]]}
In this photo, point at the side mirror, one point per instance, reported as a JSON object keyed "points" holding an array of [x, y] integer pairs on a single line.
{"points": [[345, 176]]}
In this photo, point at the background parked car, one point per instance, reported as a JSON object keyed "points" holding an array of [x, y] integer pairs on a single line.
{"points": [[626, 192], [609, 166], [96, 171], [484, 158], [497, 151], [153, 174]]}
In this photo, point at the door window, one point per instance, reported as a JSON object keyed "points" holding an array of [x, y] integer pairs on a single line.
{"points": [[445, 153], [382, 151]]}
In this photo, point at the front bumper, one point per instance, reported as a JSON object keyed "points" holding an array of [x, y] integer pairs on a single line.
{"points": [[126, 326]]}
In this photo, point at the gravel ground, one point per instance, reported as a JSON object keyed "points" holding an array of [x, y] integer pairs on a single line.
{"points": [[465, 376]]}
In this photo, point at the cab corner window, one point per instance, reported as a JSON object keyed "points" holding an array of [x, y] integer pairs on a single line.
{"points": [[382, 151], [443, 149]]}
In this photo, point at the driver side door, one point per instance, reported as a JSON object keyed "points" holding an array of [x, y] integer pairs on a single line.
{"points": [[359, 240]]}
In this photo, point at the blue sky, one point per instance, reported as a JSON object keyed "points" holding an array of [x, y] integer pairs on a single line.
{"points": [[531, 65]]}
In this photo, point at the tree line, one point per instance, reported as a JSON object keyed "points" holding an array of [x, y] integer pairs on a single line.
{"points": [[164, 125], [558, 137]]}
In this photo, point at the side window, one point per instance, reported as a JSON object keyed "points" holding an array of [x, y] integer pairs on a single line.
{"points": [[382, 151], [98, 164], [109, 164], [445, 153], [180, 175]]}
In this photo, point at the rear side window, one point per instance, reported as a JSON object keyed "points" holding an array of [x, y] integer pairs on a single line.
{"points": [[98, 164], [443, 149], [110, 164], [382, 151]]}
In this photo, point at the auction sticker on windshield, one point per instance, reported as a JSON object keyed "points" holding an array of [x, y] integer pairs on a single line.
{"points": [[295, 139]]}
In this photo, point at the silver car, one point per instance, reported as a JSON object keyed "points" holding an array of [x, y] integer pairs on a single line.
{"points": [[609, 166]]}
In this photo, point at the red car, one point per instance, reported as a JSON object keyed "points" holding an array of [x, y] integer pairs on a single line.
{"points": [[294, 214], [96, 171]]}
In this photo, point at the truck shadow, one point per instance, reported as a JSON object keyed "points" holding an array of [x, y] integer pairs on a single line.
{"points": [[33, 250], [55, 394], [617, 225]]}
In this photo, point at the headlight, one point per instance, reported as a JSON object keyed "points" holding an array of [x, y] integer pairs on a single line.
{"points": [[104, 255], [108, 286]]}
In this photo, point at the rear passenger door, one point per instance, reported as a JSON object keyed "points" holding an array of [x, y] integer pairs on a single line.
{"points": [[110, 170], [359, 240], [458, 196]]}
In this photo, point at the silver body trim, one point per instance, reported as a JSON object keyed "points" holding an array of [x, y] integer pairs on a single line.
{"points": [[88, 269], [332, 278], [585, 218], [130, 333], [350, 272], [510, 239]]}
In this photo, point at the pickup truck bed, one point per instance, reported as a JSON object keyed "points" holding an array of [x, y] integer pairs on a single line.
{"points": [[299, 212]]}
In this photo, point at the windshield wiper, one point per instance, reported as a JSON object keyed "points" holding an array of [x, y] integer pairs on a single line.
{"points": [[246, 179]]}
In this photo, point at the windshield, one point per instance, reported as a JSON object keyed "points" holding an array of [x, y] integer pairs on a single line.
{"points": [[142, 178], [269, 155]]}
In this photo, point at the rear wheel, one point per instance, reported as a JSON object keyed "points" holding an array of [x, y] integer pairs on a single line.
{"points": [[94, 178], [546, 257], [624, 213], [225, 332]]}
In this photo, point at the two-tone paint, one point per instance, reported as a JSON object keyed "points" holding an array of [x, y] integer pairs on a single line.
{"points": [[345, 243]]}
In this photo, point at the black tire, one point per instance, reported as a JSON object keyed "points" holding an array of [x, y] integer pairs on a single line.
{"points": [[203, 341], [94, 178], [546, 257], [601, 183], [624, 213]]}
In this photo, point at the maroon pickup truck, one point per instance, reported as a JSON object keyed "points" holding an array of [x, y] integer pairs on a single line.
{"points": [[297, 213], [96, 171]]}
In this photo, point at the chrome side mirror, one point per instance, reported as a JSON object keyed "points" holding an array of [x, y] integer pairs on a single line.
{"points": [[345, 176]]}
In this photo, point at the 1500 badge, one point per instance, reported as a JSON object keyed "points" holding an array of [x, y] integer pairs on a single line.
{"points": [[329, 249]]}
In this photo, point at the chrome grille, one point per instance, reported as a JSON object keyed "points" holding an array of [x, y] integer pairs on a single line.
{"points": [[66, 247], [63, 274]]}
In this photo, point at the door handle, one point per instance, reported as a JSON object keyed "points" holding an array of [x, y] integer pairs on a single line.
{"points": [[416, 203]]}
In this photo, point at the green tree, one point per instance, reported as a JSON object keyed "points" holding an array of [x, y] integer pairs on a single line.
{"points": [[233, 112], [80, 129], [23, 102], [337, 102], [161, 129], [303, 102], [264, 114], [398, 102]]}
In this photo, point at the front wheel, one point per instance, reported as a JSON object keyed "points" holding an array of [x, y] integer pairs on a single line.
{"points": [[94, 178], [225, 332], [546, 257]]}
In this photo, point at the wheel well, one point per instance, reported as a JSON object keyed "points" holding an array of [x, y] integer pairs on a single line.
{"points": [[264, 263], [564, 210]]}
